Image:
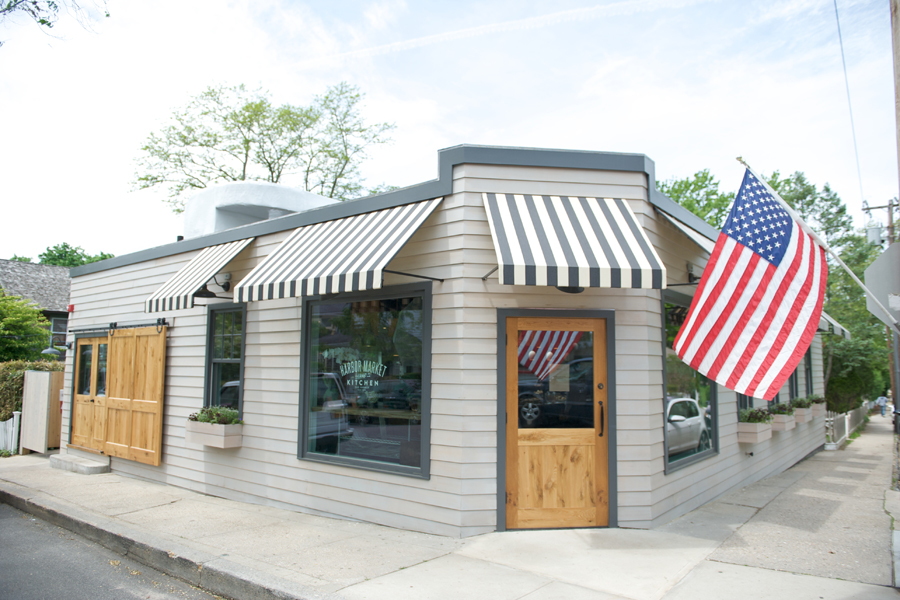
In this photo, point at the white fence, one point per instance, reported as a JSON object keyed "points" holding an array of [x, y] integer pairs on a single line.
{"points": [[9, 434], [839, 426]]}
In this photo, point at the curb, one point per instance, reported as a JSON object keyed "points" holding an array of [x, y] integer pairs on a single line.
{"points": [[209, 572]]}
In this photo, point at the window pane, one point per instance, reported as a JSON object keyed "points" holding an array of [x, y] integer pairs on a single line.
{"points": [[218, 347], [556, 379], [365, 380], [690, 398], [238, 323], [84, 369], [236, 346], [228, 320], [226, 385], [101, 370]]}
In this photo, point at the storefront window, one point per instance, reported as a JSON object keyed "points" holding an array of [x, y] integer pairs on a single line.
{"points": [[366, 381], [690, 402], [225, 356]]}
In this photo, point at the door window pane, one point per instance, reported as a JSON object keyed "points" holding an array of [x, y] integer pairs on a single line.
{"points": [[364, 388], [85, 354], [101, 370], [556, 379]]}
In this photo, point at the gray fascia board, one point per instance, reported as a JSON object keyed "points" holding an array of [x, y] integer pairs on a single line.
{"points": [[676, 211], [442, 186]]}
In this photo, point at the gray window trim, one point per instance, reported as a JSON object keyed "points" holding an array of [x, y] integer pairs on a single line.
{"points": [[668, 296], [808, 371], [610, 316], [422, 289], [211, 311]]}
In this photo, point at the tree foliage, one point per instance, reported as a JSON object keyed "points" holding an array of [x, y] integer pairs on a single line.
{"points": [[700, 194], [854, 368], [237, 134], [23, 329], [46, 13], [64, 255], [12, 382]]}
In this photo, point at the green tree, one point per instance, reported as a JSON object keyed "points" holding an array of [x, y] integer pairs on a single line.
{"points": [[700, 194], [23, 329], [64, 255], [236, 134], [18, 258], [46, 13]]}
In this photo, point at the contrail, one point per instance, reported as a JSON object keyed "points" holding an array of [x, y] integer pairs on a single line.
{"points": [[626, 7]]}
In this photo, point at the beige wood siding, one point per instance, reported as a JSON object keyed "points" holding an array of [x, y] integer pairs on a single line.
{"points": [[460, 498]]}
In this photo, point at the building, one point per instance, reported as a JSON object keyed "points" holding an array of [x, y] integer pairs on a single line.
{"points": [[47, 286], [410, 359]]}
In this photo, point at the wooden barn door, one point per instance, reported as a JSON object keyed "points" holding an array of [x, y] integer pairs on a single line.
{"points": [[134, 407], [557, 454]]}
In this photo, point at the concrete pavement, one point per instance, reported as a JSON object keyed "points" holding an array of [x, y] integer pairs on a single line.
{"points": [[820, 530]]}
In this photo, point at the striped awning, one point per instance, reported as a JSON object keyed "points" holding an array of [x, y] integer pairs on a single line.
{"points": [[178, 291], [571, 242], [828, 324], [342, 255]]}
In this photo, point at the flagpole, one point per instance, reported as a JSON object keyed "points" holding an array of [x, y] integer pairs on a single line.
{"points": [[820, 241]]}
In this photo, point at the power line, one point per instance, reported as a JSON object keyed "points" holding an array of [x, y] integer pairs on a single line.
{"points": [[862, 196]]}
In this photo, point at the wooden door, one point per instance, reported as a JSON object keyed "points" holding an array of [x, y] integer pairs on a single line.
{"points": [[134, 420], [89, 406], [557, 452]]}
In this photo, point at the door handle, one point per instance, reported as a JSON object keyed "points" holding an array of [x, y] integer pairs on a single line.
{"points": [[601, 418], [599, 386]]}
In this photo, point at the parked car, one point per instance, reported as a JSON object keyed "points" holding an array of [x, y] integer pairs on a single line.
{"points": [[686, 427], [539, 406]]}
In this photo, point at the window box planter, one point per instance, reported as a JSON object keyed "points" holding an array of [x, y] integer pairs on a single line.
{"points": [[818, 409], [803, 415], [753, 433], [214, 435], [783, 422]]}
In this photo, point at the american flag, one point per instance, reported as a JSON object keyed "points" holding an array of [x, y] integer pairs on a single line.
{"points": [[541, 351], [758, 304]]}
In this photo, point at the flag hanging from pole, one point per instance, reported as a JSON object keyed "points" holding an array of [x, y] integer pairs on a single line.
{"points": [[757, 307]]}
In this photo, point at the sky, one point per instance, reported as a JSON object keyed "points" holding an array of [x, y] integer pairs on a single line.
{"points": [[692, 84]]}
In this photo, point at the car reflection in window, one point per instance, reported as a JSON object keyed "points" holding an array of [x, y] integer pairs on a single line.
{"points": [[541, 404], [687, 428], [329, 423]]}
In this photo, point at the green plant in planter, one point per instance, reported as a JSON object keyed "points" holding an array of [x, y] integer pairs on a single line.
{"points": [[816, 399], [754, 415], [782, 409], [216, 414], [801, 402]]}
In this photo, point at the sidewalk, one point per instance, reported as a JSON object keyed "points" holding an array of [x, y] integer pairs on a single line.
{"points": [[819, 530]]}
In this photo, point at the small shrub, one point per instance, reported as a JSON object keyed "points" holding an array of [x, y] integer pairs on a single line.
{"points": [[801, 403], [216, 414], [754, 415], [12, 382], [782, 409], [816, 399]]}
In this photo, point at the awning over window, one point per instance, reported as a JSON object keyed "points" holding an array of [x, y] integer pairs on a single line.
{"points": [[697, 237], [178, 292], [571, 242], [342, 255], [828, 324]]}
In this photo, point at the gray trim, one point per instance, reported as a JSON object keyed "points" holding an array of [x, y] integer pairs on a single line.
{"points": [[395, 291], [684, 300], [211, 309], [442, 186], [610, 317]]}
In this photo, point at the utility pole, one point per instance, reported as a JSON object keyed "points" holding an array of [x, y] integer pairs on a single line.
{"points": [[895, 37]]}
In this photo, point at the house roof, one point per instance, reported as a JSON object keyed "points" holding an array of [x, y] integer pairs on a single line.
{"points": [[45, 285], [442, 186]]}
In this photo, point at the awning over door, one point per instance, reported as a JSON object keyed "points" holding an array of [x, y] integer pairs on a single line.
{"points": [[178, 292], [828, 324], [571, 242], [342, 255]]}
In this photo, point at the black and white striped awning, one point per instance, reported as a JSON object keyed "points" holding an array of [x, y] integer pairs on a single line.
{"points": [[571, 242], [178, 292], [342, 255]]}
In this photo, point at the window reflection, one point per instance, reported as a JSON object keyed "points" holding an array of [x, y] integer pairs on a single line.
{"points": [[690, 398], [556, 379], [101, 370], [365, 380], [84, 373]]}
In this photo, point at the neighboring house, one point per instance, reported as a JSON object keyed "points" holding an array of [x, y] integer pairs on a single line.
{"points": [[47, 286], [488, 350]]}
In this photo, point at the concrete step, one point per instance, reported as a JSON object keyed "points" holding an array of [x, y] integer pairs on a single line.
{"points": [[78, 464]]}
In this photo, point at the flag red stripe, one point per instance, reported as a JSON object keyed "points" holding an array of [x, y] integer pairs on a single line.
{"points": [[710, 267]]}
